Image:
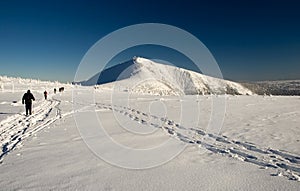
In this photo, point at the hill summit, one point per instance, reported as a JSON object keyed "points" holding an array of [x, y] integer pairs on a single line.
{"points": [[141, 75]]}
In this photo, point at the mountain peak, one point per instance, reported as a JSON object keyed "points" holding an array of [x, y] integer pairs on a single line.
{"points": [[142, 75], [141, 60]]}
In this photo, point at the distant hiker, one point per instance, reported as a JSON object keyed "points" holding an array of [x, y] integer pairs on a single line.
{"points": [[61, 89], [27, 99], [45, 94], [54, 90]]}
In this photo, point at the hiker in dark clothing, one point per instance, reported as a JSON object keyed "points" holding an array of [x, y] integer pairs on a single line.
{"points": [[45, 94], [54, 90], [27, 99]]}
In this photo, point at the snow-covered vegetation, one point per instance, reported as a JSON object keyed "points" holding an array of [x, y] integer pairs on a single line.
{"points": [[284, 87]]}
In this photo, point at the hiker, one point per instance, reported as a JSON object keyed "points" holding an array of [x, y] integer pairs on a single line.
{"points": [[61, 89], [54, 90], [27, 99], [45, 94]]}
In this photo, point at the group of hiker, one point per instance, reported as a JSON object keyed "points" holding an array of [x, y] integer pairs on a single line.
{"points": [[28, 98]]}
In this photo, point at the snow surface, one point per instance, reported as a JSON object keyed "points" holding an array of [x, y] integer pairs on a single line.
{"points": [[257, 148], [145, 76]]}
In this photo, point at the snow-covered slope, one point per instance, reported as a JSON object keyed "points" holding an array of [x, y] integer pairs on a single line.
{"points": [[144, 76], [258, 146], [280, 87]]}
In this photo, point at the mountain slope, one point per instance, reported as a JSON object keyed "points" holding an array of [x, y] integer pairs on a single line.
{"points": [[282, 87], [141, 75]]}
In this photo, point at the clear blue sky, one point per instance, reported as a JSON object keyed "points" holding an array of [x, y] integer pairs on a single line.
{"points": [[251, 40]]}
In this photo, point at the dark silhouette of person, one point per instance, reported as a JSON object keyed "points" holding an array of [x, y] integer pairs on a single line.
{"points": [[45, 94], [55, 90], [27, 99]]}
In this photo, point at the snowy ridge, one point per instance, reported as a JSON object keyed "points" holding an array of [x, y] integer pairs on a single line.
{"points": [[144, 76]]}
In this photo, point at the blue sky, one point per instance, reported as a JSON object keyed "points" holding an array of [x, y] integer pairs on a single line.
{"points": [[251, 40]]}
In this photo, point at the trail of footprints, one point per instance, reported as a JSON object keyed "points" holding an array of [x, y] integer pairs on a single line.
{"points": [[283, 163], [18, 127]]}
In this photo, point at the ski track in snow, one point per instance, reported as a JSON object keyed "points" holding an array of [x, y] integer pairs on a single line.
{"points": [[286, 164], [16, 128]]}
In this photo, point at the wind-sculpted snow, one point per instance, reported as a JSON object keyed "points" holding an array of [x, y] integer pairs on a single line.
{"points": [[286, 164]]}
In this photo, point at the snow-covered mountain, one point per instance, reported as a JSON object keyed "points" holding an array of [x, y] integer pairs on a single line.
{"points": [[281, 87], [145, 76]]}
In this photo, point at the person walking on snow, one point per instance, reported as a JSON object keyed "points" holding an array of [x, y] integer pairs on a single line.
{"points": [[27, 99], [45, 94]]}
